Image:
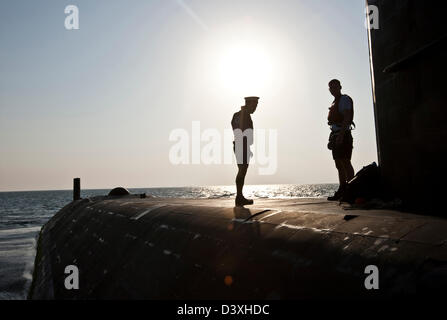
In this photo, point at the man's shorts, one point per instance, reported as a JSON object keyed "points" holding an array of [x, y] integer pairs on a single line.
{"points": [[343, 150], [244, 158]]}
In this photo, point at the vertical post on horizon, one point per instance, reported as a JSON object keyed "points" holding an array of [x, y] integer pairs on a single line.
{"points": [[76, 189]]}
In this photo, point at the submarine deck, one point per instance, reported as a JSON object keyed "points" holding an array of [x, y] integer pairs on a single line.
{"points": [[167, 248]]}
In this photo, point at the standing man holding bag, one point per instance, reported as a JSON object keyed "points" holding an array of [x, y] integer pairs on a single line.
{"points": [[340, 120]]}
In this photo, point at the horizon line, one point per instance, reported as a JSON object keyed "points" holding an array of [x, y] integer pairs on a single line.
{"points": [[192, 186]]}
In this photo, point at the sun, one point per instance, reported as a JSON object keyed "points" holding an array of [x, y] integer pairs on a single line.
{"points": [[245, 69]]}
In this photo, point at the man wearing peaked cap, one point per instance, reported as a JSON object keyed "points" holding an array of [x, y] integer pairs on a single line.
{"points": [[253, 98], [243, 138]]}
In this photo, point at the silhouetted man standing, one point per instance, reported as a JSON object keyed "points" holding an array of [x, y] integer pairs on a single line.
{"points": [[340, 119], [243, 139]]}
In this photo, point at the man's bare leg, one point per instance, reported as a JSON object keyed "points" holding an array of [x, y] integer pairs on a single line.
{"points": [[240, 178], [349, 170], [339, 164], [343, 167]]}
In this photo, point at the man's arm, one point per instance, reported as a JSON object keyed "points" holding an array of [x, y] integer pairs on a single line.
{"points": [[243, 120], [347, 120], [235, 121]]}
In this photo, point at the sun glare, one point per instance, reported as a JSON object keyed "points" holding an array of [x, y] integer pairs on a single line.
{"points": [[245, 69]]}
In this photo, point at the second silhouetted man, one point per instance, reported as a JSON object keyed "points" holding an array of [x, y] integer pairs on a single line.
{"points": [[340, 120]]}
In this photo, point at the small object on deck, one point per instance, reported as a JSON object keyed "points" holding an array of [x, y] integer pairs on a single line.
{"points": [[119, 191], [348, 217], [76, 189], [363, 187]]}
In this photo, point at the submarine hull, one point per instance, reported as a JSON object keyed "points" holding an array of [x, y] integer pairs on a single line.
{"points": [[132, 248]]}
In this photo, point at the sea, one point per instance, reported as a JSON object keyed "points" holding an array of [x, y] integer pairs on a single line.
{"points": [[23, 213]]}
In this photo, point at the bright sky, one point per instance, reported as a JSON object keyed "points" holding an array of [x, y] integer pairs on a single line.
{"points": [[100, 102]]}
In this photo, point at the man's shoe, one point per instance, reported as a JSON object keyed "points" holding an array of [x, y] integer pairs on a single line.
{"points": [[337, 195], [241, 201]]}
